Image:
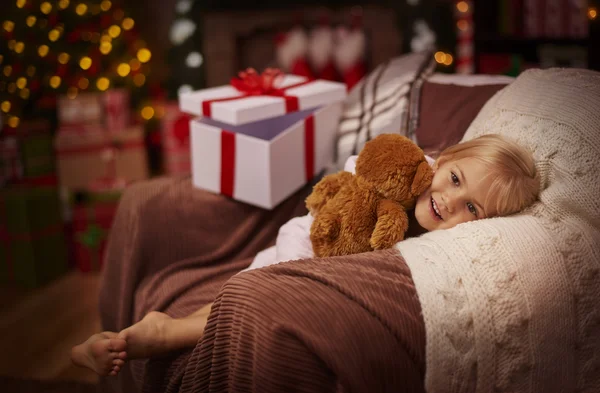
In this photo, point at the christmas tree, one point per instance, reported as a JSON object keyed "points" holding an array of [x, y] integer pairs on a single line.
{"points": [[67, 47]]}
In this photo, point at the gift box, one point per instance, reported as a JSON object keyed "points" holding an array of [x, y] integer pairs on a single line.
{"points": [[116, 109], [32, 142], [33, 249], [264, 137], [254, 97], [11, 167], [175, 130], [85, 108], [92, 218], [81, 155]]}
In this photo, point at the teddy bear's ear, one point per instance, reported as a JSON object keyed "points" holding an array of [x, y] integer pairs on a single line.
{"points": [[422, 178]]}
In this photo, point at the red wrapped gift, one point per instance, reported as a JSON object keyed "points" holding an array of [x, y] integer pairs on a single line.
{"points": [[175, 127], [116, 108], [90, 228]]}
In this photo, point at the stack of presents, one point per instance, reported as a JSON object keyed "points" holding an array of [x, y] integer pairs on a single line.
{"points": [[60, 186], [257, 140]]}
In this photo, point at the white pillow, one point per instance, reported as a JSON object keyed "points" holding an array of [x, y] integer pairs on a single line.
{"points": [[512, 303]]}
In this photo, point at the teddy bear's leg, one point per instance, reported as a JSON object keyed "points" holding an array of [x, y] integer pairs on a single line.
{"points": [[326, 189], [324, 232], [392, 223]]}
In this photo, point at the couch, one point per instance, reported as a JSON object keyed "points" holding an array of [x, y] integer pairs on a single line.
{"points": [[354, 323]]}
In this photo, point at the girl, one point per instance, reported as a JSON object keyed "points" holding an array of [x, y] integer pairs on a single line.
{"points": [[486, 177]]}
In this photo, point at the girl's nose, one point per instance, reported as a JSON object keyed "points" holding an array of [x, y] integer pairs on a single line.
{"points": [[448, 202]]}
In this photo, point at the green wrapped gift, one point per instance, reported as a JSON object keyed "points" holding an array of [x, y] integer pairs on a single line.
{"points": [[33, 248]]}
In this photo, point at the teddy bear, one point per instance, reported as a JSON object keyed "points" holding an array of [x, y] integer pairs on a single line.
{"points": [[355, 213]]}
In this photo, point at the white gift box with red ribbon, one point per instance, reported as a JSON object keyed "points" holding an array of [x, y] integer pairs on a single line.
{"points": [[263, 137], [235, 105], [263, 163]]}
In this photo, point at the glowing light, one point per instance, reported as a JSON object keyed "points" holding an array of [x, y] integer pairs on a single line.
{"points": [[135, 64], [102, 83], [30, 71], [63, 58], [105, 48], [105, 5], [7, 70], [72, 92], [43, 50], [83, 83], [462, 6], [194, 60], [85, 63], [114, 31], [13, 121], [139, 80], [448, 60], [24, 93], [118, 15], [21, 3], [462, 25], [128, 23], [22, 82], [62, 4], [144, 55], [592, 13], [106, 38], [55, 81], [53, 35], [8, 25], [19, 47], [123, 69], [440, 57], [81, 9], [147, 112], [5, 106], [30, 20], [12, 87], [46, 7]]}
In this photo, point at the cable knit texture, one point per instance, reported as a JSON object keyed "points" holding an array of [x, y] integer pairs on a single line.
{"points": [[512, 304]]}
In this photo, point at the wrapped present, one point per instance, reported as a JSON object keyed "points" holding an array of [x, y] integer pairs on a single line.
{"points": [[33, 248], [116, 109], [33, 142], [92, 218], [82, 156], [253, 97], [84, 109], [264, 137], [175, 129], [11, 167]]}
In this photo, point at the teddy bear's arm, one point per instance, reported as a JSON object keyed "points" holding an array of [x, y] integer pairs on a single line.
{"points": [[392, 223], [326, 189]]}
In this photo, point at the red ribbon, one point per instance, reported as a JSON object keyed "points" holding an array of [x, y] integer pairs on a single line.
{"points": [[228, 156], [250, 83], [98, 147]]}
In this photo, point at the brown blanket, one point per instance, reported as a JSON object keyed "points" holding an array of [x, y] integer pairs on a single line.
{"points": [[338, 324]]}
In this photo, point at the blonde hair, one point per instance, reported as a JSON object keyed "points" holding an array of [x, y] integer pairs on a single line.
{"points": [[516, 184]]}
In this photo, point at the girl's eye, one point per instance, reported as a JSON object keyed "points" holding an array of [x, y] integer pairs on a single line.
{"points": [[454, 179], [472, 208]]}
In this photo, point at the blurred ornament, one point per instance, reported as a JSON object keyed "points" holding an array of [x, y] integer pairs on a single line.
{"points": [[144, 55], [181, 30], [194, 60], [183, 6]]}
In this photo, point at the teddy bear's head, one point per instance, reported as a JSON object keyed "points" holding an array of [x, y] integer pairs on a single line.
{"points": [[395, 167]]}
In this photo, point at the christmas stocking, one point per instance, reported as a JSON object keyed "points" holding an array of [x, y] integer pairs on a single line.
{"points": [[291, 52], [349, 55], [320, 51]]}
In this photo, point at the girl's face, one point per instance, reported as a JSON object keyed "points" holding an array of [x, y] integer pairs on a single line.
{"points": [[456, 195]]}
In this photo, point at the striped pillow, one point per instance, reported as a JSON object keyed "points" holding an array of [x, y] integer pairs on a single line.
{"points": [[381, 103]]}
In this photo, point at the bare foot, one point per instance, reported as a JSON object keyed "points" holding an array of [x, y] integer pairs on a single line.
{"points": [[147, 337], [103, 353]]}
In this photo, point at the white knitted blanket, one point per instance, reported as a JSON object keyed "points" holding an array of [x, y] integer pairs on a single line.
{"points": [[513, 304]]}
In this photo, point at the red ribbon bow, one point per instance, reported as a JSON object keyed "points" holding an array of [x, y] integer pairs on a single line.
{"points": [[252, 83]]}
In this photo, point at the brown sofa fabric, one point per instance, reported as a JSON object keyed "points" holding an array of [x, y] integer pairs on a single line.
{"points": [[446, 111]]}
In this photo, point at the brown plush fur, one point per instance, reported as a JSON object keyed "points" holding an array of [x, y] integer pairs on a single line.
{"points": [[367, 211]]}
